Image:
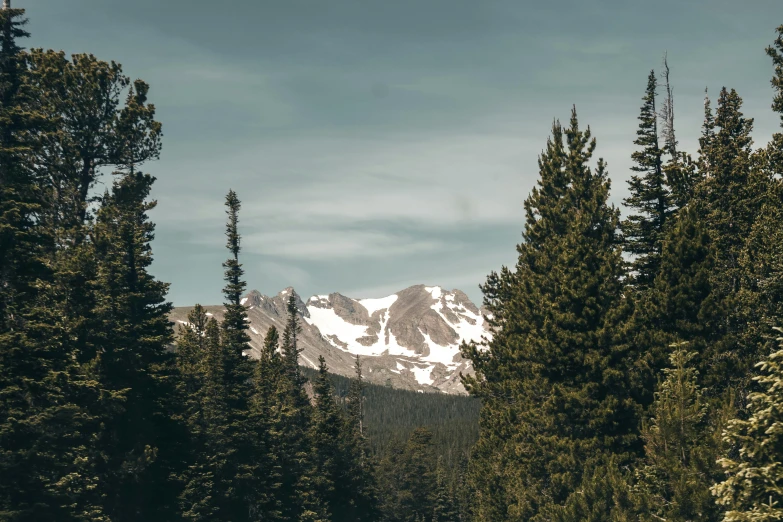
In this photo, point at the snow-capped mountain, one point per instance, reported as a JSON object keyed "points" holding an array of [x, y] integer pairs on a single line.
{"points": [[407, 340]]}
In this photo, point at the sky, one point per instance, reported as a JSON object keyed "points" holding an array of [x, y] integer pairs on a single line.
{"points": [[379, 144]]}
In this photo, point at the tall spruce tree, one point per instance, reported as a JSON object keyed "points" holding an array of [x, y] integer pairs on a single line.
{"points": [[650, 197], [359, 463], [234, 324], [264, 406], [329, 449], [419, 482], [236, 368], [554, 385], [298, 492], [204, 489], [191, 353], [132, 364], [224, 483]]}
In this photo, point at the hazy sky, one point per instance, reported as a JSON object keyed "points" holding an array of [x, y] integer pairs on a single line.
{"points": [[377, 144]]}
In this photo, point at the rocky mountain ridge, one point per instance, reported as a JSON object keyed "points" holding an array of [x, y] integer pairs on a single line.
{"points": [[408, 340]]}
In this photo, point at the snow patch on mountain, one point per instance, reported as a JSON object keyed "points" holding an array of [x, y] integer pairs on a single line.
{"points": [[330, 324], [383, 303]]}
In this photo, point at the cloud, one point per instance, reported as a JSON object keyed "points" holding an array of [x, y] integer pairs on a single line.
{"points": [[336, 244], [379, 144]]}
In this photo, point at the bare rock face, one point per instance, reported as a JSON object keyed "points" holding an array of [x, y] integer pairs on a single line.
{"points": [[407, 340]]}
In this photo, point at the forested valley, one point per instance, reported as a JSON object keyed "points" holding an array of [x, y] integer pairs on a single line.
{"points": [[635, 370]]}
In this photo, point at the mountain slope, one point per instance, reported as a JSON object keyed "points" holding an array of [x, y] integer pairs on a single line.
{"points": [[407, 340]]}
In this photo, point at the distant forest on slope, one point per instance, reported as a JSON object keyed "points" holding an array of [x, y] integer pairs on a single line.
{"points": [[391, 415]]}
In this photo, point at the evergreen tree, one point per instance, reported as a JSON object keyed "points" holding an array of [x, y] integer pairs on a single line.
{"points": [[666, 113], [775, 51], [237, 482], [224, 482], [417, 490], [730, 193], [203, 482], [603, 495], [267, 379], [555, 387], [359, 464], [682, 444], [752, 490], [444, 505], [45, 470], [680, 306], [329, 451], [234, 324], [707, 136], [132, 363], [299, 495], [355, 401], [650, 197], [83, 96], [731, 198], [191, 353]]}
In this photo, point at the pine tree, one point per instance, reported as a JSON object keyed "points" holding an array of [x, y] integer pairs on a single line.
{"points": [[236, 438], [650, 197], [752, 490], [45, 472], [355, 402], [555, 387], [666, 113], [359, 464], [264, 406], [680, 306], [730, 195], [191, 352], [329, 451], [83, 96], [775, 51], [707, 136], [604, 495], [682, 444], [203, 491], [298, 493], [224, 482], [444, 505], [234, 324], [731, 198], [132, 364], [418, 477]]}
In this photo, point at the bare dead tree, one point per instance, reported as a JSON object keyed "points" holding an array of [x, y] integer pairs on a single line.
{"points": [[666, 113]]}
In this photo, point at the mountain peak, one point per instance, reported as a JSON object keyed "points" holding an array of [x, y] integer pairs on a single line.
{"points": [[409, 339]]}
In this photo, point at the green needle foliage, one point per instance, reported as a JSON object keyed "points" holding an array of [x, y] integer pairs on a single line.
{"points": [[682, 445], [554, 388], [752, 492], [650, 197]]}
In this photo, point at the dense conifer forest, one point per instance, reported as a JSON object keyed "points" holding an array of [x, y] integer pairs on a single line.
{"points": [[635, 371], [391, 415]]}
